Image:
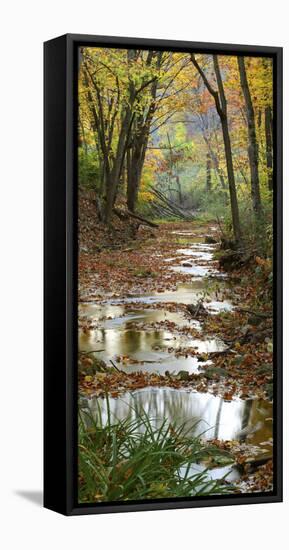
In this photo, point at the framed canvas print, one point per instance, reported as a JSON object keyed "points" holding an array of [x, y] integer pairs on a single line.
{"points": [[163, 274]]}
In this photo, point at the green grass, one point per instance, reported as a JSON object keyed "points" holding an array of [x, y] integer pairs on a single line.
{"points": [[133, 460]]}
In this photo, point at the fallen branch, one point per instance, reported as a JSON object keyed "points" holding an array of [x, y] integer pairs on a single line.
{"points": [[173, 208], [124, 214], [142, 220]]}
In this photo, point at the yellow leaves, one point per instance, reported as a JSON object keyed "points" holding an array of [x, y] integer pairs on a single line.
{"points": [[270, 347], [146, 196], [98, 496], [100, 376]]}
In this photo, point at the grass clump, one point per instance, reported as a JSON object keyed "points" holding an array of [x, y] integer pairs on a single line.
{"points": [[132, 459]]}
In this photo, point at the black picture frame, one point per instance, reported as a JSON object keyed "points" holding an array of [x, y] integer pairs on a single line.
{"points": [[60, 273]]}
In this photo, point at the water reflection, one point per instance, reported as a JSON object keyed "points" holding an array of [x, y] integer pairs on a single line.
{"points": [[195, 270], [146, 350], [232, 474], [185, 293], [199, 253], [204, 414], [118, 316]]}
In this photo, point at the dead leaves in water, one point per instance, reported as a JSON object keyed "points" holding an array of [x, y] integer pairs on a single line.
{"points": [[109, 264], [120, 382], [117, 383]]}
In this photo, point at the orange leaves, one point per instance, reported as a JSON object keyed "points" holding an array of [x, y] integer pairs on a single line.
{"points": [[260, 261], [87, 361], [228, 396], [248, 360], [120, 382]]}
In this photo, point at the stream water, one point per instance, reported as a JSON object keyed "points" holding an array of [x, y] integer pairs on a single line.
{"points": [[146, 340]]}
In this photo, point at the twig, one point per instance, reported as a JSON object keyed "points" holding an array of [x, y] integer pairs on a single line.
{"points": [[114, 365]]}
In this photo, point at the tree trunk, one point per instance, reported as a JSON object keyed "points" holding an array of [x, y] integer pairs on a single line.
{"points": [[269, 148], [221, 108], [113, 164], [215, 160], [113, 177], [81, 136], [135, 162], [252, 139], [208, 174], [179, 187], [216, 164], [231, 180], [140, 137]]}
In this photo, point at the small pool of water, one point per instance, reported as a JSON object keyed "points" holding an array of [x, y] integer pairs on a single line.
{"points": [[196, 270], [232, 473], [185, 293], [197, 253], [204, 414], [147, 350], [118, 316]]}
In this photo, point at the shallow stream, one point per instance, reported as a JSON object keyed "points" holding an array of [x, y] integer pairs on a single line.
{"points": [[147, 339]]}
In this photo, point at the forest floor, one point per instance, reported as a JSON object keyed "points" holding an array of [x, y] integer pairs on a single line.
{"points": [[219, 324]]}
